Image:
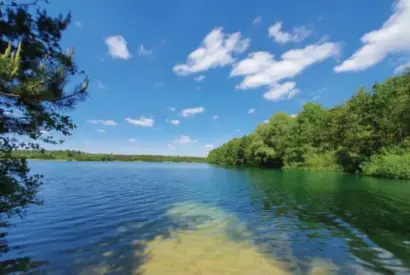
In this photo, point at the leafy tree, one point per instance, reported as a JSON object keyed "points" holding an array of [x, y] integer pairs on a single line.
{"points": [[34, 71], [369, 133]]}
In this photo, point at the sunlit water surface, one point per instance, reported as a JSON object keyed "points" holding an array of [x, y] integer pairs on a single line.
{"points": [[166, 218]]}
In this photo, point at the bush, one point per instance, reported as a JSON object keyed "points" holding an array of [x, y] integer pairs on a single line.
{"points": [[323, 161], [389, 163]]}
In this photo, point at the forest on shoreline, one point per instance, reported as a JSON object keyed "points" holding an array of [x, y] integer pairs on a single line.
{"points": [[71, 155], [367, 134]]}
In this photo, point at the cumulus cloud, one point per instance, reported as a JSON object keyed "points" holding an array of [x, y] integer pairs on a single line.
{"points": [[209, 145], [79, 24], [298, 34], [175, 122], [183, 139], [277, 92], [251, 111], [392, 37], [199, 78], [215, 117], [142, 121], [108, 122], [132, 140], [117, 47], [216, 50], [402, 68], [142, 51], [261, 69], [257, 20], [192, 111], [100, 85]]}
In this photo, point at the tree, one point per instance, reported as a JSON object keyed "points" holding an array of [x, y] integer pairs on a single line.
{"points": [[369, 133], [34, 71]]}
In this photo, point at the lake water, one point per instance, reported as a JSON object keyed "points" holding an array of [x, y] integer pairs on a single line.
{"points": [[167, 218]]}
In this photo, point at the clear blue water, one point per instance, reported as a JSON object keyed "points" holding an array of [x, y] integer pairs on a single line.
{"points": [[99, 217]]}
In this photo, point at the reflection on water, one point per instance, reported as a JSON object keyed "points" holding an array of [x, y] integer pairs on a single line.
{"points": [[130, 218], [372, 216]]}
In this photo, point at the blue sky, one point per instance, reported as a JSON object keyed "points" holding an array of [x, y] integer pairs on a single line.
{"points": [[179, 77]]}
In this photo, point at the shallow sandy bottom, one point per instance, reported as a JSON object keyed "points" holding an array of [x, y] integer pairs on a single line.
{"points": [[203, 252], [212, 242], [207, 247]]}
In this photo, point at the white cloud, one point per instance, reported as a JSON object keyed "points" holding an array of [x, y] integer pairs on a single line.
{"points": [[175, 122], [199, 78], [100, 85], [101, 130], [142, 121], [132, 140], [251, 111], [402, 68], [216, 50], [184, 139], [172, 109], [266, 121], [79, 24], [392, 37], [257, 20], [261, 69], [293, 115], [298, 34], [117, 47], [286, 90], [142, 51], [192, 111], [215, 117], [209, 145], [108, 122]]}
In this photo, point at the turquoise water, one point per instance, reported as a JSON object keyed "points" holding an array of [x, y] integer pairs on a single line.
{"points": [[166, 218]]}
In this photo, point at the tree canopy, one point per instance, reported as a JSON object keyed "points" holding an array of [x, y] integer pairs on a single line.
{"points": [[34, 72], [369, 133]]}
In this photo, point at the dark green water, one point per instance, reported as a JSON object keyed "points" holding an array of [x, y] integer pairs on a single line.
{"points": [[148, 218]]}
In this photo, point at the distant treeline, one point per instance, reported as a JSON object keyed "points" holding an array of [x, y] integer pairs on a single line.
{"points": [[81, 156], [369, 134]]}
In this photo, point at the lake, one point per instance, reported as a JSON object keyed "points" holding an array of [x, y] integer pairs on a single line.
{"points": [[179, 218]]}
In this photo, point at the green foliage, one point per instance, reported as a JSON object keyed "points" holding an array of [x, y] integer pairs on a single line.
{"points": [[323, 161], [81, 156], [34, 71], [349, 137], [390, 163]]}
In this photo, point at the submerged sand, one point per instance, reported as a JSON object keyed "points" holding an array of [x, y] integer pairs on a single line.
{"points": [[212, 242], [207, 247]]}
